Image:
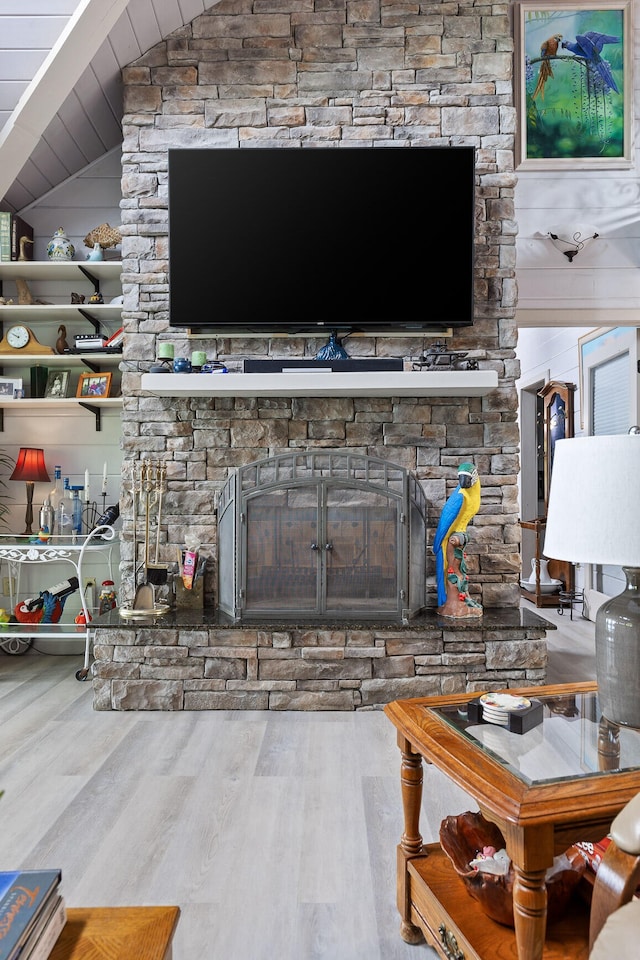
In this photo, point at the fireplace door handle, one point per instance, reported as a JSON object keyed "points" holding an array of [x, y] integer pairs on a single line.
{"points": [[328, 546], [314, 546]]}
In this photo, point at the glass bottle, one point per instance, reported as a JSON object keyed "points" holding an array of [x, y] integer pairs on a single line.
{"points": [[56, 495], [76, 509], [60, 505]]}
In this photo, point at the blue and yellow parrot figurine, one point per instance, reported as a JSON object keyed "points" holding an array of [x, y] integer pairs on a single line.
{"points": [[458, 511]]}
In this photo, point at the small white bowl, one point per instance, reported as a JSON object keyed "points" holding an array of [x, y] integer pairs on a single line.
{"points": [[551, 586]]}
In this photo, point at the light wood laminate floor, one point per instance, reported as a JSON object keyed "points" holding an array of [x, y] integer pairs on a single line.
{"points": [[275, 833]]}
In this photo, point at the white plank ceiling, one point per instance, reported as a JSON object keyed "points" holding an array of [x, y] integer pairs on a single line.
{"points": [[60, 83]]}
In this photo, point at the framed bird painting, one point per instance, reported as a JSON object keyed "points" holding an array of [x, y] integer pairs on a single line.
{"points": [[574, 85]]}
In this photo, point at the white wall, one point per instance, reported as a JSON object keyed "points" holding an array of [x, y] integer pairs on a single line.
{"points": [[559, 301], [550, 354], [68, 436], [605, 276]]}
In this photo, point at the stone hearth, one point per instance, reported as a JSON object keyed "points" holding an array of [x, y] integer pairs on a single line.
{"points": [[195, 660]]}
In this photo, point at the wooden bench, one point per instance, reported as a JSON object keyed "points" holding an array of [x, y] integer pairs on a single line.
{"points": [[91, 933]]}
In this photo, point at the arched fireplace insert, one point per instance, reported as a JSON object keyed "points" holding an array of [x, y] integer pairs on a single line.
{"points": [[322, 534]]}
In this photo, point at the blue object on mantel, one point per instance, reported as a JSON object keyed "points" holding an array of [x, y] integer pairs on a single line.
{"points": [[332, 350], [214, 366]]}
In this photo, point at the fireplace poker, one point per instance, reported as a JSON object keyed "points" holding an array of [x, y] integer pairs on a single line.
{"points": [[161, 476], [144, 598], [156, 573]]}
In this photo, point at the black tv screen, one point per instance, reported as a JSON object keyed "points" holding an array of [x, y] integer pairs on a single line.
{"points": [[266, 241]]}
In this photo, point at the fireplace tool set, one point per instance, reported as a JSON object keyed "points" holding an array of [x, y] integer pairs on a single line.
{"points": [[148, 483]]}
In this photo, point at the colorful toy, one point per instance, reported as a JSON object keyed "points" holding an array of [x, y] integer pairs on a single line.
{"points": [[47, 607]]}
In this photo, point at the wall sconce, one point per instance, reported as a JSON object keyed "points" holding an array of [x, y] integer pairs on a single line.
{"points": [[570, 240], [30, 467]]}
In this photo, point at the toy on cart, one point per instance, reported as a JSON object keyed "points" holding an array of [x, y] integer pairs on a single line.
{"points": [[47, 607]]}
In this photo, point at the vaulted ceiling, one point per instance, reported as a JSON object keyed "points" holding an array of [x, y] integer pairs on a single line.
{"points": [[60, 83]]}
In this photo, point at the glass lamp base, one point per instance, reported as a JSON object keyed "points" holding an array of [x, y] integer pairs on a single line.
{"points": [[618, 653]]}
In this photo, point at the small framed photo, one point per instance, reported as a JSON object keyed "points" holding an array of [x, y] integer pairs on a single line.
{"points": [[94, 385], [57, 384], [11, 388], [574, 84]]}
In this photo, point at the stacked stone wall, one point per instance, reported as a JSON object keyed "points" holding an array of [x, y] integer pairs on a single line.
{"points": [[321, 74], [318, 75]]}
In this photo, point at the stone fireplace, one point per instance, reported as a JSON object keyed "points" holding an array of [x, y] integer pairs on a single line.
{"points": [[318, 76], [305, 75]]}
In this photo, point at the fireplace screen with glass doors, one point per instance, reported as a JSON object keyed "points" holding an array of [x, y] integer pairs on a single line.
{"points": [[321, 534]]}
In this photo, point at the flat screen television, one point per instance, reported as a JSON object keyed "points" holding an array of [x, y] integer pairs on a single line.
{"points": [[268, 241]]}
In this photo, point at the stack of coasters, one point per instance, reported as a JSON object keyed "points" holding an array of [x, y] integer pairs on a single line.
{"points": [[516, 714]]}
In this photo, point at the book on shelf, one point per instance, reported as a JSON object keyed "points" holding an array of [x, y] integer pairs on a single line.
{"points": [[40, 944], [12, 229], [116, 339], [23, 895], [5, 236], [20, 230]]}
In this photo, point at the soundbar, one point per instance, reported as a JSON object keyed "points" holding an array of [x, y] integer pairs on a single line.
{"points": [[366, 364]]}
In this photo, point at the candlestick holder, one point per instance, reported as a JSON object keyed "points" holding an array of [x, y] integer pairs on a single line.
{"points": [[89, 516]]}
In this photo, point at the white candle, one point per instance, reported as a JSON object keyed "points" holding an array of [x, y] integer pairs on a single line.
{"points": [[104, 477], [86, 486]]}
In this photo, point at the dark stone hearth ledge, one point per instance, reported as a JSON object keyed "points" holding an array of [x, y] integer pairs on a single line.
{"points": [[491, 619], [201, 660]]}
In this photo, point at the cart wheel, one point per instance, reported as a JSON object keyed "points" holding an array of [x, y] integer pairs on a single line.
{"points": [[16, 645], [82, 674]]}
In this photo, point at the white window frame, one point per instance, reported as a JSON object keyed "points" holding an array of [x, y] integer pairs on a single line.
{"points": [[596, 348]]}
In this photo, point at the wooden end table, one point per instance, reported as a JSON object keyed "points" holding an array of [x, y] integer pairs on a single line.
{"points": [[94, 933], [560, 782]]}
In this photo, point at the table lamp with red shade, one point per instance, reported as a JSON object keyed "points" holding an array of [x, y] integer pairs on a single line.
{"points": [[30, 467]]}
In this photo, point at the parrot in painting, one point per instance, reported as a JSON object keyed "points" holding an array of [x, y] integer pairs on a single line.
{"points": [[589, 46], [458, 511], [549, 48]]}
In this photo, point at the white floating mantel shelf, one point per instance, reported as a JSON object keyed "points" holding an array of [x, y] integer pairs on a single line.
{"points": [[449, 383]]}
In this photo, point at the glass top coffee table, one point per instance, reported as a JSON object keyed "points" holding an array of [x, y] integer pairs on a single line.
{"points": [[561, 781]]}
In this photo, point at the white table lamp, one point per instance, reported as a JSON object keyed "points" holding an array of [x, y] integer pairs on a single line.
{"points": [[594, 517]]}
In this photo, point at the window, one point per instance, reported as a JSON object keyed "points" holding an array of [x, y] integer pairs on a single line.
{"points": [[609, 405]]}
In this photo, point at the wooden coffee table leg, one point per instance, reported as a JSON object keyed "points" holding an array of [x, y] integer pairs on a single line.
{"points": [[411, 841], [530, 912]]}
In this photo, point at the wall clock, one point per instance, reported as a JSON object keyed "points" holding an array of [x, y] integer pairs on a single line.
{"points": [[21, 339]]}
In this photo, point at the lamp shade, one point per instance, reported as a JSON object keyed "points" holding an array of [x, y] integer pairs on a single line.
{"points": [[593, 514], [30, 466]]}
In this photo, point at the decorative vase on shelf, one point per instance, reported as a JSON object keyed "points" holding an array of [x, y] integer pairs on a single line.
{"points": [[544, 572], [60, 247], [96, 253]]}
